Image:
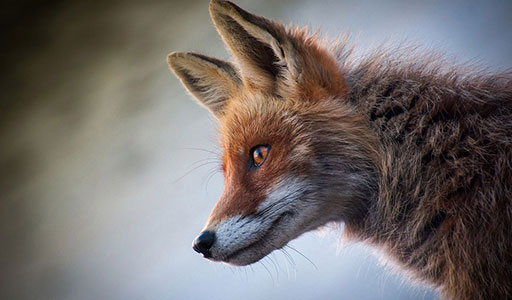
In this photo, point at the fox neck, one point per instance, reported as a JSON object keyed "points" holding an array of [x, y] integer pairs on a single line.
{"points": [[427, 126], [394, 104]]}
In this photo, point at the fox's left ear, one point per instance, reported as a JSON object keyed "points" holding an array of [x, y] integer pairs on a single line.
{"points": [[210, 80], [270, 56]]}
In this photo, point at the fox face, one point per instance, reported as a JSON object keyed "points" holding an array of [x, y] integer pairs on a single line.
{"points": [[296, 153]]}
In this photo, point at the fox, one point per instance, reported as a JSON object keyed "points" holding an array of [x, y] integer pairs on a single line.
{"points": [[412, 155]]}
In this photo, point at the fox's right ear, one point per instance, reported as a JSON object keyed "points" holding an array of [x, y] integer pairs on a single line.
{"points": [[271, 58], [211, 81]]}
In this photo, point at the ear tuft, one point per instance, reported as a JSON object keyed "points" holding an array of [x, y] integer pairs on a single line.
{"points": [[211, 81]]}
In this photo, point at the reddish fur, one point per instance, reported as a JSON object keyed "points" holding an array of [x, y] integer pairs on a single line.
{"points": [[254, 119], [414, 160]]}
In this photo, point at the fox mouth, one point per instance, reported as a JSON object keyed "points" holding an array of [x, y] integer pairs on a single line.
{"points": [[260, 248]]}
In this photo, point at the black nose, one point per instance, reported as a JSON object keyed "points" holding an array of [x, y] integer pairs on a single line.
{"points": [[203, 243]]}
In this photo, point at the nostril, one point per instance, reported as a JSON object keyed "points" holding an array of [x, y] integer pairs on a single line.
{"points": [[204, 242]]}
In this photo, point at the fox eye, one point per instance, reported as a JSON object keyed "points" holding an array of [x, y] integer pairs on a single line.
{"points": [[259, 154]]}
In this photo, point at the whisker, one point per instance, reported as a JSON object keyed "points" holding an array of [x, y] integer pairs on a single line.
{"points": [[190, 171], [200, 149], [280, 265], [268, 271], [300, 253], [289, 259], [205, 159], [272, 260], [210, 176]]}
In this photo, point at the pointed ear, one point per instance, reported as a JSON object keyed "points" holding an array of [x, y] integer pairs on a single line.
{"points": [[211, 81], [259, 45], [275, 59]]}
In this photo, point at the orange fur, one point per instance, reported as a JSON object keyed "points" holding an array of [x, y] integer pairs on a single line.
{"points": [[413, 157]]}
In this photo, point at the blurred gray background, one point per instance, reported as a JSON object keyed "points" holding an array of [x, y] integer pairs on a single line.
{"points": [[106, 165]]}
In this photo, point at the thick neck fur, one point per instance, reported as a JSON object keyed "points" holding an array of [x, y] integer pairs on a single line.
{"points": [[446, 174], [413, 155]]}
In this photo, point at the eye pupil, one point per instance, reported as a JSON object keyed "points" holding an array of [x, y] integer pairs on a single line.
{"points": [[259, 153]]}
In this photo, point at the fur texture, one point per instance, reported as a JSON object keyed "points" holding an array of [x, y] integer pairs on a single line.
{"points": [[413, 157]]}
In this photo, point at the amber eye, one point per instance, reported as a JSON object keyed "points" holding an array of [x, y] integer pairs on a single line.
{"points": [[259, 154]]}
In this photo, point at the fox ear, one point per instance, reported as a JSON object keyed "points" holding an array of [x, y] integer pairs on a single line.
{"points": [[211, 81], [271, 57], [259, 45]]}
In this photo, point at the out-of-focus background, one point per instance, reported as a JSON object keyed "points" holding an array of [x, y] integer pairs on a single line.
{"points": [[106, 170]]}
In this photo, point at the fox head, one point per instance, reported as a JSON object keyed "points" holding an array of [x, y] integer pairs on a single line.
{"points": [[296, 153]]}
